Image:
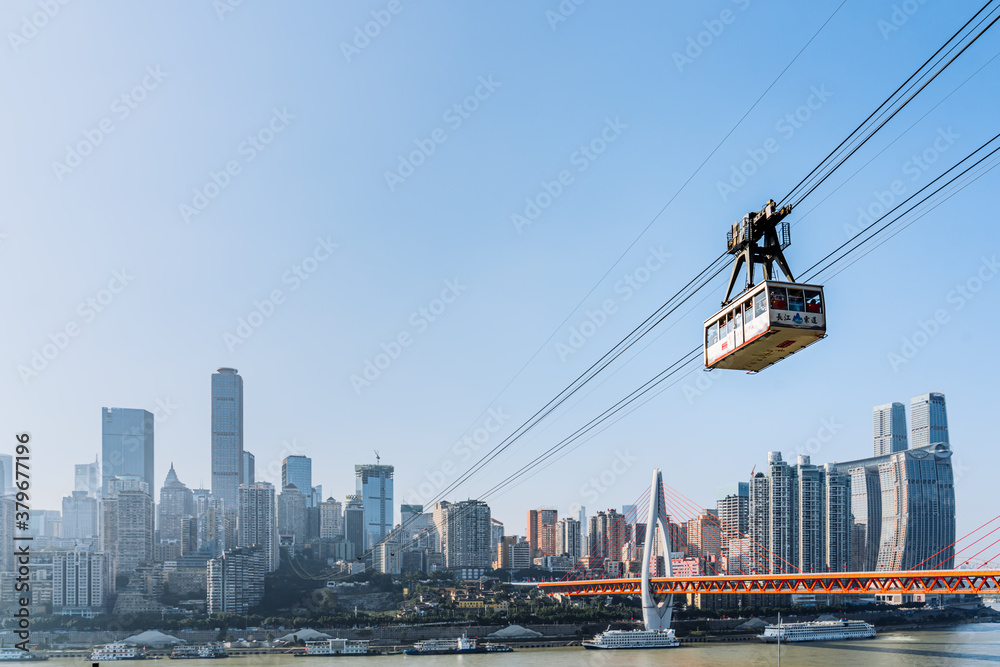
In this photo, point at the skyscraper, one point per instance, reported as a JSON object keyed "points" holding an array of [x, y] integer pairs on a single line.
{"points": [[6, 474], [292, 506], [928, 419], [734, 513], [907, 503], [542, 532], [227, 436], [176, 502], [257, 524], [568, 539], [354, 523], [374, 486], [87, 478], [247, 474], [81, 514], [888, 428], [465, 533], [331, 519], [127, 523], [236, 580], [297, 470], [126, 445]]}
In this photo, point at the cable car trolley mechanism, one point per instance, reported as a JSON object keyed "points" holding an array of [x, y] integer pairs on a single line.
{"points": [[767, 321]]}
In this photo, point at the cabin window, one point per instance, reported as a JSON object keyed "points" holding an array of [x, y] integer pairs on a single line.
{"points": [[760, 303], [747, 311], [729, 324], [795, 301], [814, 302], [713, 334], [779, 299]]}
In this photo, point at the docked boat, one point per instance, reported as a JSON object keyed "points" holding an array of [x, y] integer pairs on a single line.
{"points": [[198, 651], [632, 639], [116, 651], [337, 647], [818, 631], [17, 655], [445, 647]]}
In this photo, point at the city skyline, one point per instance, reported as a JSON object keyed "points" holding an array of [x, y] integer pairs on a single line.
{"points": [[430, 312]]}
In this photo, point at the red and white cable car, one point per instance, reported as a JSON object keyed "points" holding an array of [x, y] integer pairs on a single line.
{"points": [[770, 320]]}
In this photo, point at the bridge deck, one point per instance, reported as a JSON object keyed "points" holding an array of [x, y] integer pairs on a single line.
{"points": [[969, 582]]}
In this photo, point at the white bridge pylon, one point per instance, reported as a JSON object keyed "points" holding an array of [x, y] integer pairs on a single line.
{"points": [[656, 615]]}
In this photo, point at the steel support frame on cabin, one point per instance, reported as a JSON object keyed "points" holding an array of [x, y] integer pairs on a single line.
{"points": [[760, 225], [952, 582]]}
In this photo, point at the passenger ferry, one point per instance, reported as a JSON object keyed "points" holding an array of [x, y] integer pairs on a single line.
{"points": [[818, 631], [116, 651], [198, 651], [632, 639], [337, 647], [17, 655], [445, 647]]}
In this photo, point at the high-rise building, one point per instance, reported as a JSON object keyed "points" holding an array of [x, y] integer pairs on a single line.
{"points": [[608, 532], [126, 445], [87, 478], [227, 436], [866, 510], [928, 420], [568, 539], [810, 524], [257, 525], [247, 477], [374, 487], [216, 527], [81, 582], [889, 428], [81, 516], [292, 508], [176, 502], [914, 512], [236, 580], [465, 533], [127, 524], [354, 523], [331, 519], [6, 474], [297, 470], [837, 518], [7, 513], [734, 514], [542, 532], [496, 533]]}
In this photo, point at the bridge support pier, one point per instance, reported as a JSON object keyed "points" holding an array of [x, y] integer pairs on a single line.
{"points": [[656, 615]]}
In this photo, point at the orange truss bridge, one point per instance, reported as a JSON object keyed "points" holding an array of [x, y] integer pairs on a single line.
{"points": [[969, 582]]}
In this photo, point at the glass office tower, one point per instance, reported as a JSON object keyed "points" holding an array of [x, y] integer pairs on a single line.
{"points": [[126, 445], [227, 436]]}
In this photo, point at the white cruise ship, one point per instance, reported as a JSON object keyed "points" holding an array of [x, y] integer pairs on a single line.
{"points": [[17, 655], [818, 631], [337, 647], [614, 639], [116, 651]]}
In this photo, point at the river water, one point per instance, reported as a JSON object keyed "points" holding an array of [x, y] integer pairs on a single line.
{"points": [[962, 645]]}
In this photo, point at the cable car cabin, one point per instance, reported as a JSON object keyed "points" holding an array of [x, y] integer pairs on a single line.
{"points": [[762, 326]]}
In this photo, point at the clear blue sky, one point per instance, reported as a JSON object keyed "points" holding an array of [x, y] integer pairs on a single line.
{"points": [[333, 112]]}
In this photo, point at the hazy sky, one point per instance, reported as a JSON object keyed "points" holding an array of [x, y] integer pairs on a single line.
{"points": [[265, 186]]}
